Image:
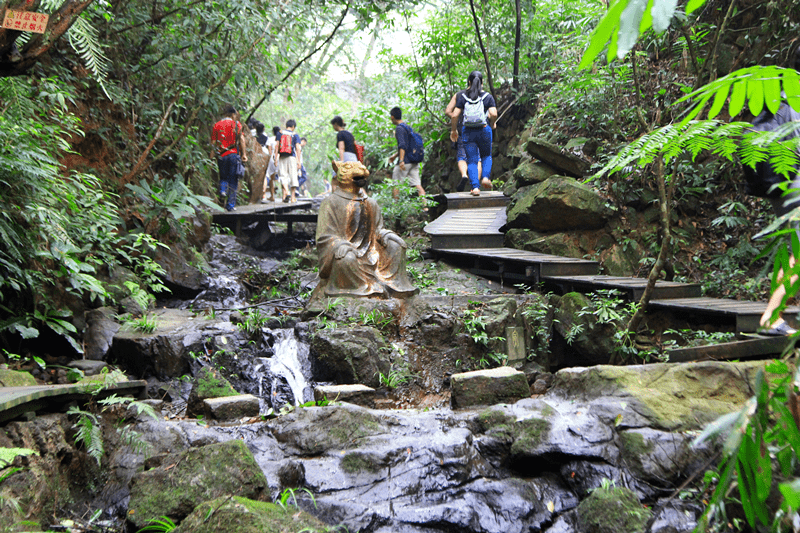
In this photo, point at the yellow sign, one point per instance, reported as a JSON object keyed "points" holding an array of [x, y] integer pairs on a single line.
{"points": [[25, 21]]}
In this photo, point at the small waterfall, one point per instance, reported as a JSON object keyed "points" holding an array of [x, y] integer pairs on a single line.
{"points": [[288, 366], [223, 291]]}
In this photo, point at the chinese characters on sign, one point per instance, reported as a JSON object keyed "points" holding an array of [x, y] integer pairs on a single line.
{"points": [[25, 21]]}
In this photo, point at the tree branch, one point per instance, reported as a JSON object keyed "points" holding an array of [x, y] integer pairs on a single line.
{"points": [[297, 65], [135, 170], [483, 48]]}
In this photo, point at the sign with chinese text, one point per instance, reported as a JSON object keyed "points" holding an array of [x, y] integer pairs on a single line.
{"points": [[25, 21]]}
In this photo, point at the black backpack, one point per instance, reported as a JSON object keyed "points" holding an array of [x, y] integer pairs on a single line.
{"points": [[762, 180], [416, 147]]}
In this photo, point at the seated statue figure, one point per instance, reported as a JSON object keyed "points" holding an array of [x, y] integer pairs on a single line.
{"points": [[357, 255]]}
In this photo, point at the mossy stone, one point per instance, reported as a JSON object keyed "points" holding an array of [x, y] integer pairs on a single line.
{"points": [[209, 383], [184, 480], [14, 378], [355, 463], [612, 510], [241, 515]]}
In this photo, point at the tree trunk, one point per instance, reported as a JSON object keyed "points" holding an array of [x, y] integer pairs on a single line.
{"points": [[517, 37]]}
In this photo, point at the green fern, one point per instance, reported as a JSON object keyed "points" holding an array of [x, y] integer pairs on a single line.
{"points": [[84, 40]]}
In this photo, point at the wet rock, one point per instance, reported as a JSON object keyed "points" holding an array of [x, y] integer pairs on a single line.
{"points": [[208, 383], [675, 516], [88, 367], [355, 394], [553, 155], [612, 510], [14, 378], [530, 172], [182, 481], [165, 352], [488, 387], [235, 407], [312, 430], [181, 278], [666, 397], [101, 326], [583, 476], [558, 204], [237, 515], [292, 475], [351, 355]]}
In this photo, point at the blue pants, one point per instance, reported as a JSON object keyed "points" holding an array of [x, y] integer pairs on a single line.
{"points": [[478, 145], [230, 167]]}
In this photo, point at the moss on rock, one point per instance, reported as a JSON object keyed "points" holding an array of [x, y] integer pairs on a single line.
{"points": [[241, 515], [184, 480], [208, 383], [612, 510], [354, 463]]}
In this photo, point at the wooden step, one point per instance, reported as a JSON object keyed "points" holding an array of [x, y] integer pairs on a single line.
{"points": [[746, 315], [747, 348], [468, 228], [516, 265], [631, 288], [464, 200]]}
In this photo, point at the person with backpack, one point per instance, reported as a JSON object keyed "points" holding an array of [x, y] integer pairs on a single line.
{"points": [[227, 136], [345, 142], [290, 159], [783, 192], [409, 151], [458, 146], [479, 116], [272, 167]]}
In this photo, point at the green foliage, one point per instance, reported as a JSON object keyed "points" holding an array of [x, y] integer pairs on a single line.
{"points": [[393, 379], [89, 429], [145, 323], [401, 206], [291, 493], [254, 322], [161, 525], [625, 21], [7, 455], [765, 429], [167, 204]]}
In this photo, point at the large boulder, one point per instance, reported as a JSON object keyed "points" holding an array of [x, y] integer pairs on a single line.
{"points": [[182, 278], [553, 155], [612, 510], [175, 484], [352, 355], [558, 204], [667, 397]]}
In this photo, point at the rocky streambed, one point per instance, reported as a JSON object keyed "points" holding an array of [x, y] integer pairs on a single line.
{"points": [[582, 449]]}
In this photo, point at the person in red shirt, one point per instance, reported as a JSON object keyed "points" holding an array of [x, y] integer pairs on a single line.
{"points": [[226, 136]]}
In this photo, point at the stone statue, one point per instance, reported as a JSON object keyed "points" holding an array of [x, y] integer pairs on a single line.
{"points": [[357, 255]]}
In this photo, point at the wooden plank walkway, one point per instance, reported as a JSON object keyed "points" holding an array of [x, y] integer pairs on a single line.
{"points": [[746, 315], [631, 288], [746, 348], [465, 234], [16, 401], [247, 214]]}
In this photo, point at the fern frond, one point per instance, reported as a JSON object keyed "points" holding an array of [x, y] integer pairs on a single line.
{"points": [[83, 38]]}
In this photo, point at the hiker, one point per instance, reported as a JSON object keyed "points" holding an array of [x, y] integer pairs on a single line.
{"points": [[458, 146], [345, 142], [272, 167], [302, 179], [408, 165], [290, 159], [226, 136], [480, 114], [767, 182]]}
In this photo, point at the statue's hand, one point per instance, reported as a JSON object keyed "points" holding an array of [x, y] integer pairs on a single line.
{"points": [[393, 237], [342, 250]]}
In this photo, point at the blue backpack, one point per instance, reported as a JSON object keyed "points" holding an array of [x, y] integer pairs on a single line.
{"points": [[416, 148]]}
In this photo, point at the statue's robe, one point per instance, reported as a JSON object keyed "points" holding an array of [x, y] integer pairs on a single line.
{"points": [[374, 264]]}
